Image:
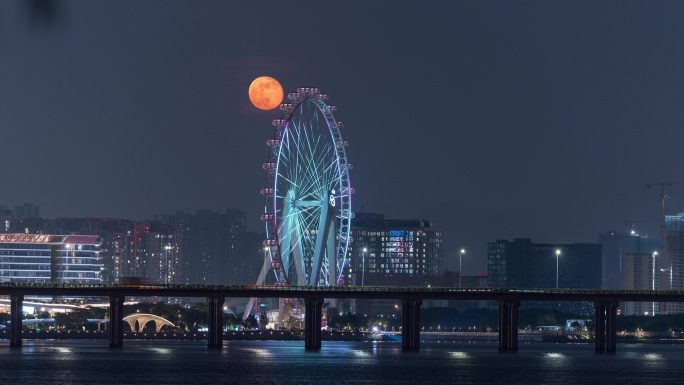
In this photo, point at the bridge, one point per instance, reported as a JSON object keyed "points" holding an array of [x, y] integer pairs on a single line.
{"points": [[142, 319], [605, 305]]}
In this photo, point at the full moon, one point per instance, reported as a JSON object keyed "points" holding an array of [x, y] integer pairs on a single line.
{"points": [[265, 93]]}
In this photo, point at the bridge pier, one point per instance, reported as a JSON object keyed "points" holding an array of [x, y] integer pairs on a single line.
{"points": [[116, 328], [16, 310], [508, 325], [410, 330], [606, 326], [313, 314], [215, 322]]}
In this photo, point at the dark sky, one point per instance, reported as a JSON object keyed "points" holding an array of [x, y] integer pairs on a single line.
{"points": [[494, 119]]}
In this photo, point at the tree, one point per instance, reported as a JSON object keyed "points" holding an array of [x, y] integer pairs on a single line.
{"points": [[250, 322], [231, 321]]}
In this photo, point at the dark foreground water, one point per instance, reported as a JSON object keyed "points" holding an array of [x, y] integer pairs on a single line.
{"points": [[270, 362]]}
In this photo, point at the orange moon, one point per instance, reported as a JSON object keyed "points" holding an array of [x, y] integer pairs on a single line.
{"points": [[265, 93]]}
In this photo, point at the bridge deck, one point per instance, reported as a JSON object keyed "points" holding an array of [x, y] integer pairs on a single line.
{"points": [[246, 291]]}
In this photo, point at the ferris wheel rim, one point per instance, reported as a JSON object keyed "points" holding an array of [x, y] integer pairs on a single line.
{"points": [[342, 191]]}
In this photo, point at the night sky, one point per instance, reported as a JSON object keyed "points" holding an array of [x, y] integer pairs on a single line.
{"points": [[494, 119]]}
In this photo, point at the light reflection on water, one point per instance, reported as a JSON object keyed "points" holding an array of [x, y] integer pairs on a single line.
{"points": [[361, 353], [652, 356], [459, 355], [287, 362], [161, 350], [60, 349], [259, 352]]}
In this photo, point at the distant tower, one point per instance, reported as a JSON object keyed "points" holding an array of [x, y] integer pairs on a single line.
{"points": [[28, 210]]}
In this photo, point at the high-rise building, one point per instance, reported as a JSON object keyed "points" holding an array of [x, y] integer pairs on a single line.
{"points": [[615, 247], [213, 245], [28, 210], [393, 248], [253, 261], [45, 258], [389, 252], [612, 259], [232, 265], [129, 248], [629, 262], [672, 265], [123, 242], [163, 245], [26, 219], [640, 274], [523, 264]]}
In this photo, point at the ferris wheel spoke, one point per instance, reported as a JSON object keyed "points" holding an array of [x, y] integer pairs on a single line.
{"points": [[288, 184], [320, 169], [327, 170], [307, 168], [299, 135], [317, 177]]}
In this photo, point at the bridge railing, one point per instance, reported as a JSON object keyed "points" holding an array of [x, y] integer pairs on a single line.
{"points": [[323, 289]]}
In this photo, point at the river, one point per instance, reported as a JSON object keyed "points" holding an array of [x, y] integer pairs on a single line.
{"points": [[287, 362]]}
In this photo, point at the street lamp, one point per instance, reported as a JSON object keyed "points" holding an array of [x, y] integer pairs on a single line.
{"points": [[460, 271], [167, 270], [363, 265], [558, 252]]}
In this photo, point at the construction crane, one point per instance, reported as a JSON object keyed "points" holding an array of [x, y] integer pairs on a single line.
{"points": [[631, 224]]}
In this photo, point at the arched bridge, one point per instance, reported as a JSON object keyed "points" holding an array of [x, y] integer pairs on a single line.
{"points": [[141, 319]]}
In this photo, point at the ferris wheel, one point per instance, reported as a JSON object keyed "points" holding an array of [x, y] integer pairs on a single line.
{"points": [[308, 197]]}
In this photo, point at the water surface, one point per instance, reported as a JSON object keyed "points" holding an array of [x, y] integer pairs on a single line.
{"points": [[287, 362]]}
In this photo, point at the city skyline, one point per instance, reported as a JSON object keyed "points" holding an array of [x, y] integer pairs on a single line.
{"points": [[495, 120]]}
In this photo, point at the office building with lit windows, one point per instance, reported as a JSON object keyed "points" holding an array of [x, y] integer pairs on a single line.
{"points": [[44, 258], [387, 252], [393, 248]]}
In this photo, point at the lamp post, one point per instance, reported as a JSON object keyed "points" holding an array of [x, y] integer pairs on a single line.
{"points": [[558, 252], [363, 265], [167, 271], [653, 305], [460, 270]]}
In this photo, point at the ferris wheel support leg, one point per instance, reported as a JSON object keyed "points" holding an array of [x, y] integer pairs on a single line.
{"points": [[284, 236], [321, 238], [260, 281], [332, 255], [289, 232], [312, 323], [298, 252]]}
